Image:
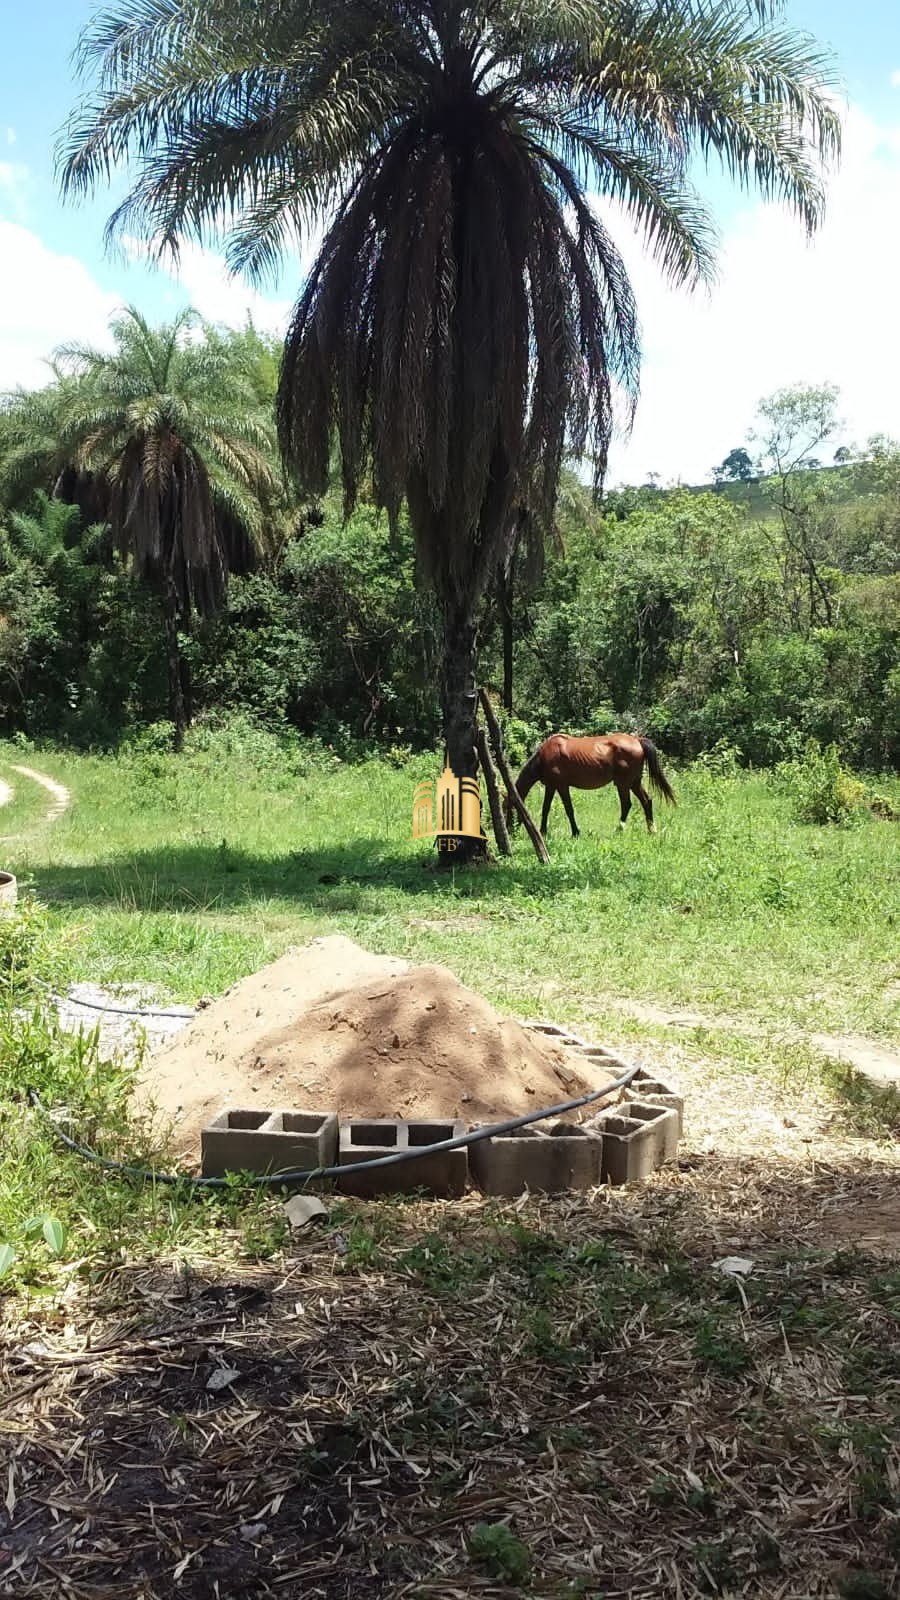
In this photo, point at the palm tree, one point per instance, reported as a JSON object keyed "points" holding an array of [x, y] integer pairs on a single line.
{"points": [[164, 439], [468, 319]]}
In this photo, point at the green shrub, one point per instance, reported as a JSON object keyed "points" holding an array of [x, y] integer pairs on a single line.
{"points": [[504, 1557], [723, 760], [883, 806], [23, 934], [820, 789], [520, 739]]}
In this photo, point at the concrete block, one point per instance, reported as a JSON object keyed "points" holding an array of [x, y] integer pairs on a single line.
{"points": [[576, 1157], [440, 1172], [268, 1141], [662, 1119], [554, 1031], [600, 1052], [637, 1138], [651, 1091], [565, 1157]]}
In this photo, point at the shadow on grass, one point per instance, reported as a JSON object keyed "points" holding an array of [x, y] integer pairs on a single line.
{"points": [[869, 1110], [327, 878]]}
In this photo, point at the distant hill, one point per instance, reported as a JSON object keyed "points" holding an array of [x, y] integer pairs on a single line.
{"points": [[848, 482]]}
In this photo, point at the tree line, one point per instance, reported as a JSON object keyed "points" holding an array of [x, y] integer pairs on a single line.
{"points": [[693, 616], [468, 322]]}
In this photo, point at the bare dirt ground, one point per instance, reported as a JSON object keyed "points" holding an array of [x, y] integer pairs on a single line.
{"points": [[878, 1061]]}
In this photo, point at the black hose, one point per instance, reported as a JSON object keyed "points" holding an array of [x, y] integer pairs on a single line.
{"points": [[272, 1180], [174, 1013]]}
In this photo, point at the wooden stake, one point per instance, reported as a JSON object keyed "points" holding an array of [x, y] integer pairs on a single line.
{"points": [[501, 832], [518, 803]]}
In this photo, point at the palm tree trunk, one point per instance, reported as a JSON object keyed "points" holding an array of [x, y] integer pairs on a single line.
{"points": [[177, 712], [459, 701]]}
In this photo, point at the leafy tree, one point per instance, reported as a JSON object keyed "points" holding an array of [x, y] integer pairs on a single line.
{"points": [[333, 635], [668, 613], [737, 466], [794, 422], [76, 630], [165, 439], [673, 618], [469, 315], [871, 527]]}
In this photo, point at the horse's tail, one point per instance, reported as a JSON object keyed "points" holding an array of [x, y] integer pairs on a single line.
{"points": [[657, 777]]}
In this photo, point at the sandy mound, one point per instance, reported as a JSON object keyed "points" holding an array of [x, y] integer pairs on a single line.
{"points": [[331, 1025]]}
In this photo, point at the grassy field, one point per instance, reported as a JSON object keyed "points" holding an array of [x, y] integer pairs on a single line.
{"points": [[545, 1398], [191, 873]]}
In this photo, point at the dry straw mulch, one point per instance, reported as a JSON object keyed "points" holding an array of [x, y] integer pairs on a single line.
{"points": [[575, 1367], [336, 1423]]}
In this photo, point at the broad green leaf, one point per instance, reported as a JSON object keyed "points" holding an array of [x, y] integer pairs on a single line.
{"points": [[55, 1235], [7, 1257], [34, 1227]]}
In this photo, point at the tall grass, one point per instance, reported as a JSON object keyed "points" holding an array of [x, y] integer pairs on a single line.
{"points": [[191, 872]]}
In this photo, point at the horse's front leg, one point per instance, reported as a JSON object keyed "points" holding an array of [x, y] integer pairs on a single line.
{"points": [[549, 792], [566, 799]]}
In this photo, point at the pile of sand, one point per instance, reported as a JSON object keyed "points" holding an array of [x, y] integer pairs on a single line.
{"points": [[331, 1026]]}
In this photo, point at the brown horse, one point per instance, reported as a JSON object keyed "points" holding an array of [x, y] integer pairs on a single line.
{"points": [[561, 764]]}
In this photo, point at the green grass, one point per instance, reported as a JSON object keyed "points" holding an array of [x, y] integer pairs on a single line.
{"points": [[190, 873]]}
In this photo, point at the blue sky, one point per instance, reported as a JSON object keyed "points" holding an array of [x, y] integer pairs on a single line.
{"points": [[782, 311]]}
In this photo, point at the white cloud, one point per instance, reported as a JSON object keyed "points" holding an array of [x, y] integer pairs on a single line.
{"points": [[205, 283], [204, 279], [784, 311], [45, 300], [48, 299], [14, 181], [895, 79]]}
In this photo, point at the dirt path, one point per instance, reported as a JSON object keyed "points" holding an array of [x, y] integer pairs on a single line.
{"points": [[6, 793], [877, 1061], [61, 798]]}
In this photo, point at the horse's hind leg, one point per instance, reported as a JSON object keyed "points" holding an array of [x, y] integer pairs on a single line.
{"points": [[549, 792], [647, 804], [624, 802], [566, 799]]}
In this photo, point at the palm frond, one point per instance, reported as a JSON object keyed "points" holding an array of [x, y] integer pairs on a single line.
{"points": [[165, 439], [468, 320]]}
